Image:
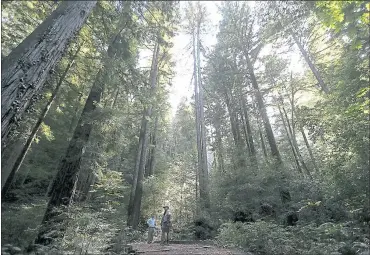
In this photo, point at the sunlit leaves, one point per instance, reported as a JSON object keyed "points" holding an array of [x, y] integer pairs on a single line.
{"points": [[19, 19], [345, 17], [46, 131]]}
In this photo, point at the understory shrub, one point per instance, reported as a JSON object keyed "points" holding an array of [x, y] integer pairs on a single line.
{"points": [[20, 222], [321, 212], [203, 229], [269, 238]]}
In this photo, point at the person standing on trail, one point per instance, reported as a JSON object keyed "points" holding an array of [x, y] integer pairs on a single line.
{"points": [[151, 228], [165, 225]]}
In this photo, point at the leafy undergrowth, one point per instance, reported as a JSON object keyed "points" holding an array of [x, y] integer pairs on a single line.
{"points": [[20, 222], [93, 227], [311, 239]]}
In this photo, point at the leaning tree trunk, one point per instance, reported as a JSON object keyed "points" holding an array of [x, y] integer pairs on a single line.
{"points": [[26, 68], [306, 142], [288, 134], [69, 167], [295, 144], [313, 68], [22, 155], [64, 184], [262, 109], [284, 192]]}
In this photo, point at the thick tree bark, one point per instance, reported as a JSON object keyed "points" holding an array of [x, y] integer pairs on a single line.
{"points": [[26, 68], [86, 179], [136, 200], [136, 174], [22, 155], [248, 126], [64, 184], [262, 109], [66, 178]]}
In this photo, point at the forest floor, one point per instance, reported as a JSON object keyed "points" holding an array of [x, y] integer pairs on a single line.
{"points": [[183, 249]]}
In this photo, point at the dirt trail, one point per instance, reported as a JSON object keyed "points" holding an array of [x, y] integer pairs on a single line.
{"points": [[183, 249]]}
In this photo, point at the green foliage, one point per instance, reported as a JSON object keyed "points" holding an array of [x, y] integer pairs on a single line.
{"points": [[20, 221], [269, 238], [203, 228], [19, 19]]}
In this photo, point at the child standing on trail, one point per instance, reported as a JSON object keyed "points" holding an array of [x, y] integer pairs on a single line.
{"points": [[165, 225], [151, 228]]}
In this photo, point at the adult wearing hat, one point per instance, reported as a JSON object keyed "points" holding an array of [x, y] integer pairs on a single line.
{"points": [[165, 225]]}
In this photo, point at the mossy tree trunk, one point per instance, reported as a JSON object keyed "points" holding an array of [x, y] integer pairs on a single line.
{"points": [[26, 68], [22, 154]]}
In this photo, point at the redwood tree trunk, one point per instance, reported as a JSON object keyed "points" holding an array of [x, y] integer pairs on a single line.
{"points": [[22, 155], [233, 121], [252, 149], [306, 143], [152, 151], [136, 199], [261, 138], [284, 193], [199, 179], [86, 179], [295, 144], [288, 134], [201, 131], [64, 184], [219, 146], [262, 109], [69, 167], [239, 144], [66, 178], [26, 68], [136, 174]]}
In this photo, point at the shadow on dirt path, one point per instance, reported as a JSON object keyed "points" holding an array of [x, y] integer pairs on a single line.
{"points": [[183, 249]]}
